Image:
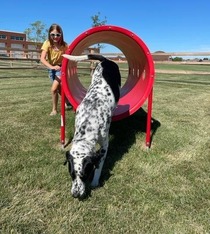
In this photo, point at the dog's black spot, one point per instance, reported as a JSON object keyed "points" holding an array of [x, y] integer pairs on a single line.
{"points": [[89, 129], [82, 132]]}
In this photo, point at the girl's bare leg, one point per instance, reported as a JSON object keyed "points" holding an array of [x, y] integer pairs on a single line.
{"points": [[55, 91]]}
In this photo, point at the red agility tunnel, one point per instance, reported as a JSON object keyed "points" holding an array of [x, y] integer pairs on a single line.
{"points": [[140, 79]]}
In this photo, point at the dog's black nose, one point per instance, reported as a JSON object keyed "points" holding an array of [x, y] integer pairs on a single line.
{"points": [[75, 195]]}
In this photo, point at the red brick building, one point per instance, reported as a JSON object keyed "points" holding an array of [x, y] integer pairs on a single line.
{"points": [[15, 45]]}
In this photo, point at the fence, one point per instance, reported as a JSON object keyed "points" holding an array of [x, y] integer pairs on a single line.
{"points": [[31, 58]]}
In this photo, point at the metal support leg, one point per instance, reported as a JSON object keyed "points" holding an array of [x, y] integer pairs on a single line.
{"points": [[62, 129], [149, 118]]}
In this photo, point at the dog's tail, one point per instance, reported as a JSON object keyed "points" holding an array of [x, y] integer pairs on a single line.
{"points": [[75, 58]]}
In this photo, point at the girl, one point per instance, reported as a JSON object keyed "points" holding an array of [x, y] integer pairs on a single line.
{"points": [[51, 57]]}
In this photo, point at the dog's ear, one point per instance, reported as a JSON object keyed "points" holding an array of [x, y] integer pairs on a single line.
{"points": [[69, 160], [67, 156], [87, 169]]}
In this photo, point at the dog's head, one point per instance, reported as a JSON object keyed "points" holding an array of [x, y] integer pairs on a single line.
{"points": [[81, 170]]}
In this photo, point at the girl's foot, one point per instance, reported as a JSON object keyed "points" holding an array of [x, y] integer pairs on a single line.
{"points": [[68, 106], [53, 113]]}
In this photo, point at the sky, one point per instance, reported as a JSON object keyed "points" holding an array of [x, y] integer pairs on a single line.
{"points": [[163, 25]]}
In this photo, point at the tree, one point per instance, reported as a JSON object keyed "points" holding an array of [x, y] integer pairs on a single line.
{"points": [[37, 32], [96, 21], [177, 59]]}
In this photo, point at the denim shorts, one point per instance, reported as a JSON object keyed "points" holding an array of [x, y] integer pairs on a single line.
{"points": [[54, 75]]}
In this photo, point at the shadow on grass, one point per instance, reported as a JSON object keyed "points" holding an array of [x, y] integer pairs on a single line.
{"points": [[123, 136]]}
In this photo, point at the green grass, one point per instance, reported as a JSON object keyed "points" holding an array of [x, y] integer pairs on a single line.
{"points": [[184, 79], [183, 66], [162, 190]]}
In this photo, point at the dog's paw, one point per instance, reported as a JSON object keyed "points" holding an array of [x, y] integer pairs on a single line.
{"points": [[94, 184]]}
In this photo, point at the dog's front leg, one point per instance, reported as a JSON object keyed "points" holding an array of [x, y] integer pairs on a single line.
{"points": [[97, 173]]}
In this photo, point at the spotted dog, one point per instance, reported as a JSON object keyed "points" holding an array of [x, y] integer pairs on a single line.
{"points": [[92, 123]]}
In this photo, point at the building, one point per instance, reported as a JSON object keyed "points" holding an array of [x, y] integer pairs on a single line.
{"points": [[91, 50], [161, 56], [15, 45]]}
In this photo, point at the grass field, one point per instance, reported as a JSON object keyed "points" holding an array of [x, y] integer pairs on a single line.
{"points": [[205, 67], [162, 190]]}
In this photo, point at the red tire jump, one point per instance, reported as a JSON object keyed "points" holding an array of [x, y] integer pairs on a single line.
{"points": [[138, 86]]}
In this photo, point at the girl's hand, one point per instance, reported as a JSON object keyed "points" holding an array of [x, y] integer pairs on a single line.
{"points": [[57, 68]]}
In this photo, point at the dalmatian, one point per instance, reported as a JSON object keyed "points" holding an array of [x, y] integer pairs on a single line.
{"points": [[92, 122]]}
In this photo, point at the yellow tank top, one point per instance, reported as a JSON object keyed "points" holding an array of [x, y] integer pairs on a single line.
{"points": [[54, 55]]}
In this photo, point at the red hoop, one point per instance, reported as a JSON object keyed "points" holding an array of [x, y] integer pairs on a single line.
{"points": [[140, 79]]}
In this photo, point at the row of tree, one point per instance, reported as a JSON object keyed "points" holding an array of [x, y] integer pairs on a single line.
{"points": [[37, 32]]}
